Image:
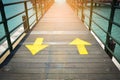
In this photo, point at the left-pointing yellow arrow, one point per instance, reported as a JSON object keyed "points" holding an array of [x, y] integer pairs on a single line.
{"points": [[37, 46]]}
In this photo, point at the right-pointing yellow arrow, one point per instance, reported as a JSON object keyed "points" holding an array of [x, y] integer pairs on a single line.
{"points": [[80, 45]]}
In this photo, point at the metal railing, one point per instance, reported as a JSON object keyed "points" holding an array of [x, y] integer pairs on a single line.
{"points": [[39, 7], [90, 6]]}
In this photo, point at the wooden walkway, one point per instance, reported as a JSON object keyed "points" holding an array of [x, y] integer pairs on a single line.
{"points": [[60, 61]]}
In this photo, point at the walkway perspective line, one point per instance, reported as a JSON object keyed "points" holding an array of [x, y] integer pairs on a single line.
{"points": [[80, 45], [37, 46]]}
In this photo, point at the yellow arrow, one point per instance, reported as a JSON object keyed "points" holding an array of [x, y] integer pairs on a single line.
{"points": [[37, 46], [80, 45]]}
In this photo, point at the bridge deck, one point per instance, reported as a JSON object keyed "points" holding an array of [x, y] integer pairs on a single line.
{"points": [[60, 61]]}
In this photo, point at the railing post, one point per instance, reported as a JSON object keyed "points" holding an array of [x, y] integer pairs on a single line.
{"points": [[5, 25], [77, 7], [46, 6], [42, 7], [27, 28], [114, 3], [24, 19], [36, 10], [82, 11], [91, 14]]}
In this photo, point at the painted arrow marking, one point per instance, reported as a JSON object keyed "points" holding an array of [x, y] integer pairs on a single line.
{"points": [[37, 46], [80, 45]]}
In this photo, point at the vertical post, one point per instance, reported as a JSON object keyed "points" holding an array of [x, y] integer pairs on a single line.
{"points": [[77, 7], [85, 2], [74, 5], [42, 6], [110, 23], [45, 5], [82, 11], [24, 19], [27, 19], [36, 11], [91, 13], [5, 25]]}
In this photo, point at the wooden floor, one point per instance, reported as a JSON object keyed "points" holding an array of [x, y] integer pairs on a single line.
{"points": [[60, 61]]}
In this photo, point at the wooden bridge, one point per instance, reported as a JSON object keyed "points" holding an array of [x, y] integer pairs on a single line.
{"points": [[60, 60]]}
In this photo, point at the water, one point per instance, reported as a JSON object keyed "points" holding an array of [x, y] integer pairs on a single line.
{"points": [[105, 11], [11, 11], [14, 22]]}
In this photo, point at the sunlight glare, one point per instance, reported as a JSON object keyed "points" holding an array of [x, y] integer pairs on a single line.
{"points": [[60, 1]]}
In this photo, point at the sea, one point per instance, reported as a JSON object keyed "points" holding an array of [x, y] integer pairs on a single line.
{"points": [[14, 22], [13, 10], [105, 11]]}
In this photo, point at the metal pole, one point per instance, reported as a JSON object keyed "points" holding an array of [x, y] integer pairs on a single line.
{"points": [[24, 19], [42, 5], [27, 19], [82, 11], [5, 25], [36, 10], [110, 22], [77, 7], [91, 11]]}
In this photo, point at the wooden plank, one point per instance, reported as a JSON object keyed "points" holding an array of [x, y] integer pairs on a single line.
{"points": [[60, 61], [69, 65]]}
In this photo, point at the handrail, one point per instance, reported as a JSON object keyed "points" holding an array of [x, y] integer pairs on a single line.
{"points": [[25, 22], [115, 23], [5, 25], [3, 38], [113, 4], [14, 3], [16, 27], [15, 15]]}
